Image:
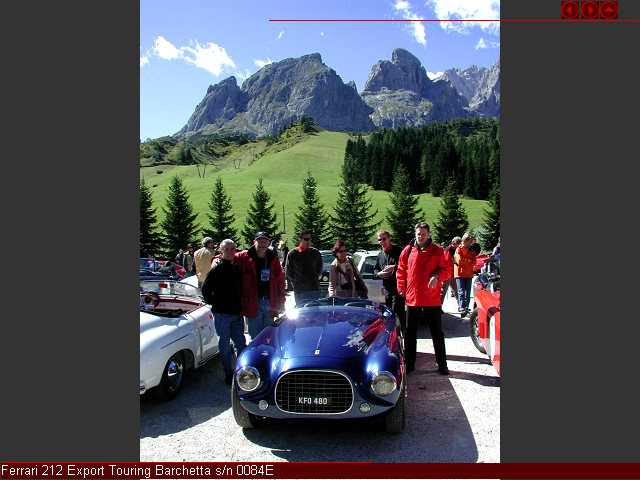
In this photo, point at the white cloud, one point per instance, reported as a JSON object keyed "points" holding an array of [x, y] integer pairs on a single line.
{"points": [[243, 76], [143, 61], [280, 34], [209, 56], [468, 10], [482, 43], [164, 49], [433, 76], [403, 7], [262, 63], [322, 34]]}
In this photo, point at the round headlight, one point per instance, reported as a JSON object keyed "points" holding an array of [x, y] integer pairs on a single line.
{"points": [[383, 383], [248, 378]]}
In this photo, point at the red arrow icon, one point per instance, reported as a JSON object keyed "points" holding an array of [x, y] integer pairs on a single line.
{"points": [[609, 10], [590, 10], [569, 10]]}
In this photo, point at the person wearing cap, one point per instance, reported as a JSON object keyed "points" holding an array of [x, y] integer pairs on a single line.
{"points": [[263, 295], [303, 269], [202, 259]]}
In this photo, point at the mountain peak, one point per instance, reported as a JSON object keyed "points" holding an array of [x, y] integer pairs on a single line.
{"points": [[400, 56], [403, 72]]}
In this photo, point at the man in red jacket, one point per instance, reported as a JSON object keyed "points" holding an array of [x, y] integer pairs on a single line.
{"points": [[263, 295], [421, 271]]}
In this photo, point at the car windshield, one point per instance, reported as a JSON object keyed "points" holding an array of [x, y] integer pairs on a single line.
{"points": [[327, 259], [168, 287]]}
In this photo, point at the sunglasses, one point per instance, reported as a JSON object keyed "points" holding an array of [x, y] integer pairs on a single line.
{"points": [[342, 251], [383, 239], [306, 239]]}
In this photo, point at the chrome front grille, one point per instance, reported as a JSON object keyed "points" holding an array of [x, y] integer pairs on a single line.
{"points": [[314, 392]]}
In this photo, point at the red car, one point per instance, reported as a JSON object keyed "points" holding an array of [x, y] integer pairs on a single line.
{"points": [[179, 270], [484, 321], [480, 261]]}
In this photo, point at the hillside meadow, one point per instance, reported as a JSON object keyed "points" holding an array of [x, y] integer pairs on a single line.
{"points": [[282, 174]]}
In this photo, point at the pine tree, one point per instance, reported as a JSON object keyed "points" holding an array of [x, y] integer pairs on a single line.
{"points": [[179, 225], [221, 219], [452, 217], [351, 222], [490, 229], [260, 216], [312, 215], [149, 238], [404, 212], [438, 173]]}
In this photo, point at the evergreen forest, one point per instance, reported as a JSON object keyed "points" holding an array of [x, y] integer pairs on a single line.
{"points": [[466, 151]]}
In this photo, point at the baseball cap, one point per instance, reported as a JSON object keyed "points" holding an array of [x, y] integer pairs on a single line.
{"points": [[261, 235]]}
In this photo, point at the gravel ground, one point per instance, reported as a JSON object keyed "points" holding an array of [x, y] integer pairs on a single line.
{"points": [[453, 418]]}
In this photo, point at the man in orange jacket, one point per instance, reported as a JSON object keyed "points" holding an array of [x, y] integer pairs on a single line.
{"points": [[421, 271]]}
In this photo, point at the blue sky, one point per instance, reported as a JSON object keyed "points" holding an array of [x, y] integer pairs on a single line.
{"points": [[187, 45]]}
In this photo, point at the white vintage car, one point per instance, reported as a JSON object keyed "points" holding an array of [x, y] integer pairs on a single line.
{"points": [[176, 334]]}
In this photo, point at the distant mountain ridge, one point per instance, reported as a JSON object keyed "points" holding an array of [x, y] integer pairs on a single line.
{"points": [[480, 87], [397, 93]]}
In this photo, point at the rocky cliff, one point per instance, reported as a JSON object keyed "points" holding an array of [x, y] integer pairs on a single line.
{"points": [[278, 94], [397, 93], [480, 88], [401, 94]]}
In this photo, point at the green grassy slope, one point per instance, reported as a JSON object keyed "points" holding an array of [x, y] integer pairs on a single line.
{"points": [[282, 174]]}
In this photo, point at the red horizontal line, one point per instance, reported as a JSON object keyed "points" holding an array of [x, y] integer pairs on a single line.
{"points": [[453, 20]]}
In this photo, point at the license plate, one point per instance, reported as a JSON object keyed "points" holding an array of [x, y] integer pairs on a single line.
{"points": [[313, 400]]}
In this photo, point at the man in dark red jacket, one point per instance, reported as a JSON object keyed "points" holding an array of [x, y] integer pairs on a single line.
{"points": [[449, 253], [263, 295], [421, 271]]}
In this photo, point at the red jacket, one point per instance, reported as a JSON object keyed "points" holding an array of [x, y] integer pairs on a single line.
{"points": [[250, 287], [412, 278]]}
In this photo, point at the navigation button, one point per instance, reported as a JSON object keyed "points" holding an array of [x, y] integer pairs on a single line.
{"points": [[590, 10], [569, 10], [609, 10]]}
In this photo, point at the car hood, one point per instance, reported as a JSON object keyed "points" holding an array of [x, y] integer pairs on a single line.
{"points": [[338, 333]]}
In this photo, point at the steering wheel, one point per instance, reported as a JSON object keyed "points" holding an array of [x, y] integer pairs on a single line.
{"points": [[309, 303], [149, 300]]}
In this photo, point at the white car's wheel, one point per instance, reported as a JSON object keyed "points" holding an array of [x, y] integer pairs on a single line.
{"points": [[171, 377]]}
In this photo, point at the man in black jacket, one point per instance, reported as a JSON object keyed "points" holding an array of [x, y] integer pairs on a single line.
{"points": [[222, 289], [385, 268], [303, 269]]}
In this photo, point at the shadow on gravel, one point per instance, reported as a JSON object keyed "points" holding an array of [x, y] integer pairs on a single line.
{"points": [[204, 395]]}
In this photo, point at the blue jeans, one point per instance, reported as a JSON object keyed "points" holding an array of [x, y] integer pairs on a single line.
{"points": [[262, 321], [464, 292], [229, 328]]}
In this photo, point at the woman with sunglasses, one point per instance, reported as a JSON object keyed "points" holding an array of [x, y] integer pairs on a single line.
{"points": [[343, 273]]}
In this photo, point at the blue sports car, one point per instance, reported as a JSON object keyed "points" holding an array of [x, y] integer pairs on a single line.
{"points": [[328, 358]]}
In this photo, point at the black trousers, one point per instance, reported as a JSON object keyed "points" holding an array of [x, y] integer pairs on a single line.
{"points": [[396, 303], [434, 319]]}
